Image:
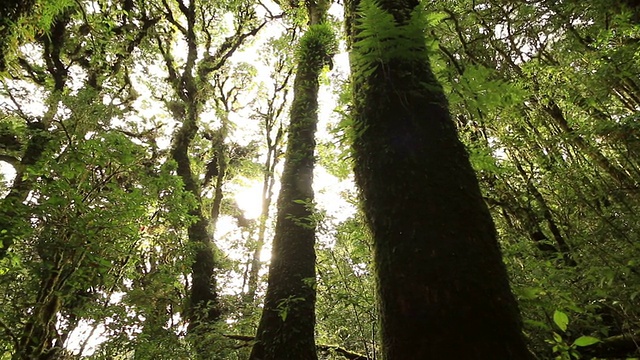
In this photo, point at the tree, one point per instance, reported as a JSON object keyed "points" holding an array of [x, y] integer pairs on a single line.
{"points": [[190, 85], [57, 208], [442, 286], [547, 110], [286, 328]]}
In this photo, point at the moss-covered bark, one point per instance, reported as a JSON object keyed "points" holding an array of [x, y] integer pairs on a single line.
{"points": [[442, 286], [286, 329], [203, 300]]}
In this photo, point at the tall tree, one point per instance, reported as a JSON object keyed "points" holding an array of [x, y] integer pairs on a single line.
{"points": [[286, 329], [191, 90], [556, 100], [442, 286]]}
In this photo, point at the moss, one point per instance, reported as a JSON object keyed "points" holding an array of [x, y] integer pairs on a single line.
{"points": [[442, 287], [286, 329], [317, 46]]}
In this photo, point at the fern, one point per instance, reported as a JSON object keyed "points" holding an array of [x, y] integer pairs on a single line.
{"points": [[380, 39]]}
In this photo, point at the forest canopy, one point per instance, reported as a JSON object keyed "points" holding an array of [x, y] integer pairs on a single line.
{"points": [[177, 177]]}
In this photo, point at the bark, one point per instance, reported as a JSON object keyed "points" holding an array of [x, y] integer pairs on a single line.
{"points": [[442, 286], [286, 329]]}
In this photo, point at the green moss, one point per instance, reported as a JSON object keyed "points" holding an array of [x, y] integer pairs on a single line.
{"points": [[317, 46]]}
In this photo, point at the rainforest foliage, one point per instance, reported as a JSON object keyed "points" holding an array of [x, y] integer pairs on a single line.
{"points": [[142, 144]]}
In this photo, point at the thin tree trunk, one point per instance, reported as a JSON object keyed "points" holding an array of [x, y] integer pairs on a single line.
{"points": [[274, 146], [267, 194], [203, 307], [286, 329], [442, 286]]}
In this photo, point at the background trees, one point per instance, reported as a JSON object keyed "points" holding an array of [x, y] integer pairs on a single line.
{"points": [[128, 127]]}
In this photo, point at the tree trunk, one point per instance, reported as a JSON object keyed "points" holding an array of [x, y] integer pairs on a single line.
{"points": [[203, 302], [267, 195], [286, 329], [442, 286]]}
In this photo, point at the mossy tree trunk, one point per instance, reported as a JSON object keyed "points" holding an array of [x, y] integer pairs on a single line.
{"points": [[286, 329], [203, 308], [190, 83], [442, 286]]}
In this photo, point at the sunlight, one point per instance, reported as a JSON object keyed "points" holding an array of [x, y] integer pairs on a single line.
{"points": [[249, 198]]}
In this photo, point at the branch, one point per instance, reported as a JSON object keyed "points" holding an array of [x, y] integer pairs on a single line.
{"points": [[615, 347], [169, 63], [172, 20], [324, 348], [36, 75], [15, 102], [13, 161], [214, 62], [341, 351]]}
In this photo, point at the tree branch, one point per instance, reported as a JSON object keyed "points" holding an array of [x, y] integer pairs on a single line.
{"points": [[620, 346], [323, 348], [14, 161], [214, 62]]}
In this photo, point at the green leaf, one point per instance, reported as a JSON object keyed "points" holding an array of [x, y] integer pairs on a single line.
{"points": [[585, 341], [561, 320], [529, 293]]}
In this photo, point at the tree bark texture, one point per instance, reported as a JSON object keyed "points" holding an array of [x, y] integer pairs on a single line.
{"points": [[286, 329], [442, 285]]}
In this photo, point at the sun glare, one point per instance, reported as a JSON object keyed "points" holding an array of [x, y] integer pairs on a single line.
{"points": [[249, 199]]}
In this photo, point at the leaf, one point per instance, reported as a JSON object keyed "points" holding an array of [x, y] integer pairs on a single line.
{"points": [[529, 293], [557, 337], [585, 341], [283, 314], [561, 320]]}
